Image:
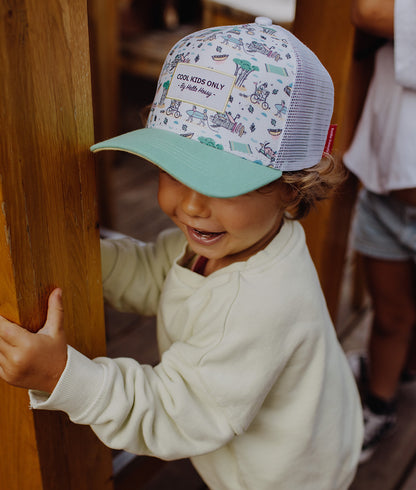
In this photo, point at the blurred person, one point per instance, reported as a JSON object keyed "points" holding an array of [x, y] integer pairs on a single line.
{"points": [[383, 156]]}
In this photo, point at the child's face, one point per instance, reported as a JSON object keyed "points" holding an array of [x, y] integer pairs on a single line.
{"points": [[223, 230]]}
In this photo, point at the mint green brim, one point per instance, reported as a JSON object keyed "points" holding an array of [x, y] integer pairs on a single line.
{"points": [[207, 170]]}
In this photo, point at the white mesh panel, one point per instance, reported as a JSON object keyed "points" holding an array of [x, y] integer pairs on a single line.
{"points": [[309, 114]]}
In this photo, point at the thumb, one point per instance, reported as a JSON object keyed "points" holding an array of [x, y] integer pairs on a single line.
{"points": [[55, 317]]}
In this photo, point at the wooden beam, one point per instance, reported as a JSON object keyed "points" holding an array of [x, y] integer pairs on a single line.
{"points": [[48, 229], [103, 26], [326, 28]]}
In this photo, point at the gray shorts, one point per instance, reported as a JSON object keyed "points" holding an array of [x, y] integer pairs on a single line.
{"points": [[384, 227]]}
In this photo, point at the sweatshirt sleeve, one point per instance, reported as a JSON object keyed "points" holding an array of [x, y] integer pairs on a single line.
{"points": [[133, 272], [144, 410], [405, 42]]}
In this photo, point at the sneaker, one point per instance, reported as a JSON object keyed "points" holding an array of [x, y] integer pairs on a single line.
{"points": [[376, 427]]}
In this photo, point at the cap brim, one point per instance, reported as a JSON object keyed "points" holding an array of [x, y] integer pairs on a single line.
{"points": [[207, 170]]}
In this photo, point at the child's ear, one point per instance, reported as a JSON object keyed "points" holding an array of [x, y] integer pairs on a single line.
{"points": [[290, 198], [289, 193]]}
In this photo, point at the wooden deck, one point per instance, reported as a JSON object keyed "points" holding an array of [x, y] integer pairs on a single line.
{"points": [[136, 213]]}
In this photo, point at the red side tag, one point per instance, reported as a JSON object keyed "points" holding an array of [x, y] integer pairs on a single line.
{"points": [[330, 138]]}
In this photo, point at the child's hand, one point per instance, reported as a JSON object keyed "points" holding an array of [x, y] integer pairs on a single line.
{"points": [[35, 360]]}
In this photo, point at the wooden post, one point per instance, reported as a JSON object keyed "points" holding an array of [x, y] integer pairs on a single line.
{"points": [[48, 229], [326, 28], [103, 26]]}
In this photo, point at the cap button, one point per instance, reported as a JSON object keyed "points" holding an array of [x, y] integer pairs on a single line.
{"points": [[263, 21]]}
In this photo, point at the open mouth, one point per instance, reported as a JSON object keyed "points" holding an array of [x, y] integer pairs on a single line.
{"points": [[207, 234], [205, 237]]}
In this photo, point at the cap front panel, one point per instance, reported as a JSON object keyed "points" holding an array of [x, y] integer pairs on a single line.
{"points": [[229, 88]]}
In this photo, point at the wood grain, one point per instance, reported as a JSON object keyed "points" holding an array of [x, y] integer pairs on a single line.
{"points": [[48, 228], [327, 30]]}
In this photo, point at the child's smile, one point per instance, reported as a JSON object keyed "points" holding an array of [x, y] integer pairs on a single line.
{"points": [[205, 237], [223, 230]]}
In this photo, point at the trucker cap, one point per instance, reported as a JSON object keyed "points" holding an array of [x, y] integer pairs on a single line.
{"points": [[235, 106]]}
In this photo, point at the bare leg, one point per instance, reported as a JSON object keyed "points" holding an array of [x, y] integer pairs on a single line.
{"points": [[392, 286]]}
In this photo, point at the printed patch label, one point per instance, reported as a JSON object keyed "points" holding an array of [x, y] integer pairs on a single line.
{"points": [[201, 86], [330, 138]]}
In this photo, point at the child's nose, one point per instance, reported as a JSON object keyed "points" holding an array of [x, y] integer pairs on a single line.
{"points": [[195, 204]]}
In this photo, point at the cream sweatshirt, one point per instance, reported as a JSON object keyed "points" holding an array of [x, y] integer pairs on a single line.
{"points": [[252, 385]]}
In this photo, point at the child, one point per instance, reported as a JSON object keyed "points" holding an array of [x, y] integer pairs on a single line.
{"points": [[252, 384]]}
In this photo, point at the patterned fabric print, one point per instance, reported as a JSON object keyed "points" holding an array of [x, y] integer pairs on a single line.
{"points": [[250, 122]]}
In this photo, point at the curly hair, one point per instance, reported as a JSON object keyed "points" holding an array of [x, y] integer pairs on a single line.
{"points": [[307, 187]]}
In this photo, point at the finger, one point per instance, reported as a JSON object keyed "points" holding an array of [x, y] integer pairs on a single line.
{"points": [[5, 348], [9, 332], [55, 316], [4, 360], [3, 364], [3, 329]]}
